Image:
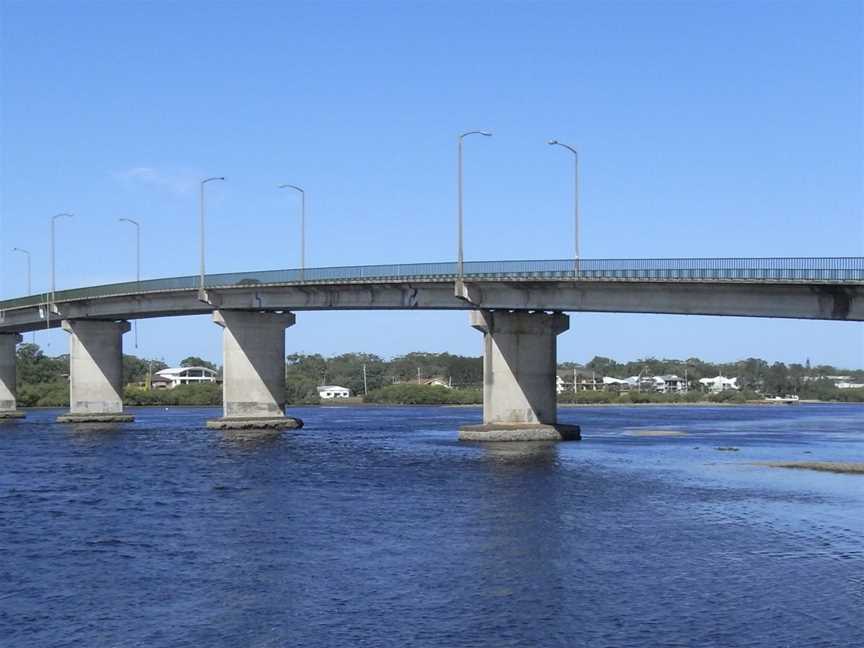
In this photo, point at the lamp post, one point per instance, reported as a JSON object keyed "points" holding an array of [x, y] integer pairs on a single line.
{"points": [[53, 282], [137, 245], [460, 256], [137, 264], [575, 199], [27, 252], [201, 232], [302, 226], [53, 278], [29, 285]]}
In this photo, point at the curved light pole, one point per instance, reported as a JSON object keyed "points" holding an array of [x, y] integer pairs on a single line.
{"points": [[575, 198], [53, 280], [137, 263], [27, 252], [460, 264], [29, 285], [302, 226], [201, 232]]}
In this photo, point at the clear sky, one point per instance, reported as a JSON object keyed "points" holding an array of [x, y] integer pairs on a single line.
{"points": [[704, 128]]}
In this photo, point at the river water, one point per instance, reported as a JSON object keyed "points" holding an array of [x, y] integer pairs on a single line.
{"points": [[374, 526]]}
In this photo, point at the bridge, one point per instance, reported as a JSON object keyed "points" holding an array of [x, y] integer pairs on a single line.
{"points": [[519, 306]]}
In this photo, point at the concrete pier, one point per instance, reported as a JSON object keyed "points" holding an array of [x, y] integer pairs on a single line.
{"points": [[519, 370], [8, 376], [95, 371], [253, 381]]}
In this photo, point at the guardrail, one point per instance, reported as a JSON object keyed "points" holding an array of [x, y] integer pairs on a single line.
{"points": [[780, 269]]}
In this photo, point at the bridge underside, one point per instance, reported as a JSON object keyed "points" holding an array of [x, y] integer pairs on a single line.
{"points": [[519, 335], [740, 299]]}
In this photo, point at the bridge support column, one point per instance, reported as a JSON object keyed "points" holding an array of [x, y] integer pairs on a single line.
{"points": [[519, 377], [8, 376], [253, 381], [95, 371]]}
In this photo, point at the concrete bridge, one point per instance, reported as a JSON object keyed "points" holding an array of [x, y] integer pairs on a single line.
{"points": [[518, 306]]}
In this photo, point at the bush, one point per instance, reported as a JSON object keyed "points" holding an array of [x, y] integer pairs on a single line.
{"points": [[207, 394], [408, 394], [849, 395], [733, 396], [588, 397], [49, 394]]}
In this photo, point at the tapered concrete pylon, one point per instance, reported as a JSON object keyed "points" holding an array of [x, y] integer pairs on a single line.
{"points": [[8, 376], [253, 380], [95, 371], [519, 372]]}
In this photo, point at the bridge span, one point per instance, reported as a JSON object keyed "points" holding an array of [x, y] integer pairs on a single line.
{"points": [[519, 307]]}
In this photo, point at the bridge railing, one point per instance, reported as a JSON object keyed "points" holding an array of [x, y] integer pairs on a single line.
{"points": [[792, 269]]}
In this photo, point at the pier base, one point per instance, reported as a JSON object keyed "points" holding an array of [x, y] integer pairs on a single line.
{"points": [[8, 376], [520, 432], [519, 377], [256, 423], [95, 418], [253, 381], [95, 372]]}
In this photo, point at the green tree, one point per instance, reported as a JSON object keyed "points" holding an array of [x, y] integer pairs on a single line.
{"points": [[603, 366], [136, 370], [195, 361], [303, 373], [35, 367]]}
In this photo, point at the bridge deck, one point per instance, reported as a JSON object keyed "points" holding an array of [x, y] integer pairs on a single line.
{"points": [[825, 288]]}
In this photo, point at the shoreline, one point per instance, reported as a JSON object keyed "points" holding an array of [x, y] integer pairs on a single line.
{"points": [[560, 405]]}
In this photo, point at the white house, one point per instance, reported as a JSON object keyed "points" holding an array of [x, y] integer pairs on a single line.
{"points": [[170, 378], [330, 392], [719, 384], [619, 384], [561, 385], [669, 383], [845, 384]]}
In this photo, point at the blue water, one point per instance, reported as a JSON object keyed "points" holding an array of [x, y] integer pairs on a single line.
{"points": [[375, 527]]}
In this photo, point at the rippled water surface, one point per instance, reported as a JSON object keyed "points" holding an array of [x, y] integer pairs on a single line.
{"points": [[375, 527]]}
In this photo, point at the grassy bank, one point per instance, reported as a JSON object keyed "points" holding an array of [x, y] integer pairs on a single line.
{"points": [[408, 394]]}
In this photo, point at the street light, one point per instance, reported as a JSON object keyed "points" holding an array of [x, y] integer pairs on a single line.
{"points": [[201, 233], [137, 245], [302, 226], [29, 285], [53, 281], [575, 197], [461, 260], [27, 252], [137, 263]]}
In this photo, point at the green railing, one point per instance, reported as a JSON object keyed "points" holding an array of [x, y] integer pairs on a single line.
{"points": [[783, 269]]}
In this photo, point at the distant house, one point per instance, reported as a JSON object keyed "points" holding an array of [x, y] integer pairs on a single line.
{"points": [[664, 384], [620, 384], [331, 392], [718, 384], [845, 384], [669, 383], [561, 382], [170, 378], [584, 380], [570, 380]]}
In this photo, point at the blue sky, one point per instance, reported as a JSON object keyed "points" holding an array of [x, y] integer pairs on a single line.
{"points": [[704, 129]]}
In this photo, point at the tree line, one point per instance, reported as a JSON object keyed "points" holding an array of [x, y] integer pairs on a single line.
{"points": [[43, 379]]}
